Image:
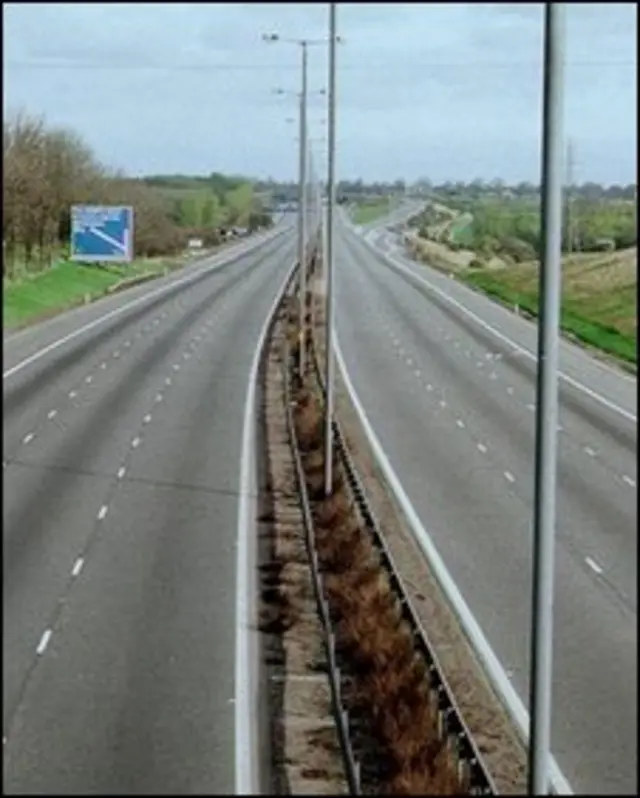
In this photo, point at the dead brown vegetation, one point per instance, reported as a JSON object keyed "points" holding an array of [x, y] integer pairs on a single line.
{"points": [[388, 690]]}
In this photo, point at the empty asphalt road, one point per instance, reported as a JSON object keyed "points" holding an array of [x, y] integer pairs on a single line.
{"points": [[122, 442], [453, 406]]}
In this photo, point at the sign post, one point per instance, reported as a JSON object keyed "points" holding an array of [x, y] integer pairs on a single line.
{"points": [[101, 233]]}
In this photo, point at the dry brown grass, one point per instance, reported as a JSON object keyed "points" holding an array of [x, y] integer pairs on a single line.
{"points": [[389, 687]]}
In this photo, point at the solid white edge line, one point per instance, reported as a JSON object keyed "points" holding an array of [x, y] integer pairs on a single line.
{"points": [[492, 666], [569, 380], [218, 261], [246, 699]]}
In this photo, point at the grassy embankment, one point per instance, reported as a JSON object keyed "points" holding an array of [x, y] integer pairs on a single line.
{"points": [[599, 305], [67, 284]]}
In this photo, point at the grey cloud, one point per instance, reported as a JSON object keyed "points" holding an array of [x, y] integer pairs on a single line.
{"points": [[420, 86]]}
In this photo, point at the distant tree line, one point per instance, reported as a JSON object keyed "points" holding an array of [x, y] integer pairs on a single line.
{"points": [[349, 190], [499, 188], [46, 170]]}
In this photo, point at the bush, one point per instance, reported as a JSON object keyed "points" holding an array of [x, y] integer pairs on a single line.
{"points": [[258, 219], [519, 250]]}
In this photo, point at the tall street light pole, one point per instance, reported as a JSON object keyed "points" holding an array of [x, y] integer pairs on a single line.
{"points": [[550, 283], [302, 207], [331, 191], [302, 244]]}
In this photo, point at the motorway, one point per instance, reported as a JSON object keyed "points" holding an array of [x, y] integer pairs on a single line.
{"points": [[123, 424], [452, 404]]}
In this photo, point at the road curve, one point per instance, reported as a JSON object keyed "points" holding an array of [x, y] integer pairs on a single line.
{"points": [[454, 413], [121, 460]]}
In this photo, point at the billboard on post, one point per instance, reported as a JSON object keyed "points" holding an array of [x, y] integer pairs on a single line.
{"points": [[102, 233]]}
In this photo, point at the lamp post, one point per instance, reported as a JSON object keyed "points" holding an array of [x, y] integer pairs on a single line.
{"points": [[331, 192], [544, 518], [304, 44]]}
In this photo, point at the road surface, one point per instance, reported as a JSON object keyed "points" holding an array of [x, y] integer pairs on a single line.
{"points": [[454, 413], [121, 457]]}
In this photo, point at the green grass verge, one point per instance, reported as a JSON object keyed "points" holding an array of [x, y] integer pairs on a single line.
{"points": [[369, 212], [461, 232], [66, 285], [588, 330]]}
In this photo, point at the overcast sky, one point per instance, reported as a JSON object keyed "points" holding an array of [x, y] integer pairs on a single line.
{"points": [[444, 91]]}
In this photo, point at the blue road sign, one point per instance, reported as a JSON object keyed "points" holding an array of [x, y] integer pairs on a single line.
{"points": [[102, 233]]}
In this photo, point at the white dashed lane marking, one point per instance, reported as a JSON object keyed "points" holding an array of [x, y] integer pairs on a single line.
{"points": [[531, 407], [77, 566], [103, 512], [116, 353], [28, 437], [72, 394], [121, 472], [44, 642], [168, 381], [52, 414], [593, 565], [135, 443], [158, 397], [88, 379], [103, 366], [147, 418]]}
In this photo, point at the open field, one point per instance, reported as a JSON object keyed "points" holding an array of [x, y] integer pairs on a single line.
{"points": [[369, 211]]}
